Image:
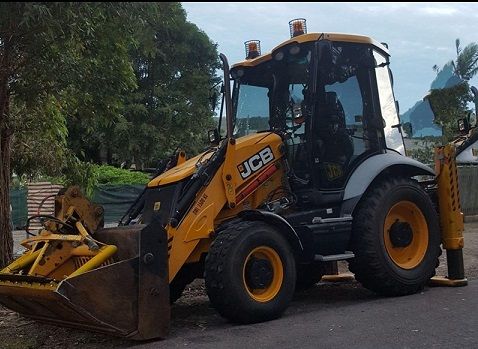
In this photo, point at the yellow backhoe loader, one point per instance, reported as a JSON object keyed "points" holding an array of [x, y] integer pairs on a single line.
{"points": [[311, 171]]}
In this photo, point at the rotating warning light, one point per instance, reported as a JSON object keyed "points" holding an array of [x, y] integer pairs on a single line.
{"points": [[253, 49], [297, 27]]}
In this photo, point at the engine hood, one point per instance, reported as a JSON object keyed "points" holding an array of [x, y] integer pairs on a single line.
{"points": [[188, 168]]}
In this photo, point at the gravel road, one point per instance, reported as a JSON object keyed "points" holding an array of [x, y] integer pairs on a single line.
{"points": [[330, 315]]}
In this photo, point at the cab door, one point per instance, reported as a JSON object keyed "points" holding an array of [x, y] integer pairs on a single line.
{"points": [[346, 115]]}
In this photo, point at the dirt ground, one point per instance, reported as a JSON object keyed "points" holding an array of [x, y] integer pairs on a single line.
{"points": [[192, 310]]}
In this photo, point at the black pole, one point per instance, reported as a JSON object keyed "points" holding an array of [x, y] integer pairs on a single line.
{"points": [[456, 268], [227, 93], [474, 90]]}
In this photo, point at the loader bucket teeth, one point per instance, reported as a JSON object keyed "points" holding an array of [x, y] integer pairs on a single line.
{"points": [[128, 298]]}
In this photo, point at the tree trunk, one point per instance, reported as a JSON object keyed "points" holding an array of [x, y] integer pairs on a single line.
{"points": [[6, 239]]}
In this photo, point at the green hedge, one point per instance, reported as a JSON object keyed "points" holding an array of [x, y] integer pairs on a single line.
{"points": [[112, 175], [89, 176]]}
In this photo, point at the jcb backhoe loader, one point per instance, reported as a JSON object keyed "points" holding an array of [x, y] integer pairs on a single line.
{"points": [[310, 171]]}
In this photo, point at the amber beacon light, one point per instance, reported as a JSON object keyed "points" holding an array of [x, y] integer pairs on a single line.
{"points": [[297, 27], [253, 49]]}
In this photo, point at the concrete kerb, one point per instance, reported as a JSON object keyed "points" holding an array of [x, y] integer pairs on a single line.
{"points": [[471, 218]]}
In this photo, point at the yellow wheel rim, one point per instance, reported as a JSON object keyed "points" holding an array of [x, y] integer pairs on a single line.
{"points": [[406, 234], [269, 259]]}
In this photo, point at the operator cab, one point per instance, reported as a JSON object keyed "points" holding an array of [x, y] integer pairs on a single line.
{"points": [[330, 98]]}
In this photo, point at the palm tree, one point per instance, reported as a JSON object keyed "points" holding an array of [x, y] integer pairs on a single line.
{"points": [[466, 63], [450, 101]]}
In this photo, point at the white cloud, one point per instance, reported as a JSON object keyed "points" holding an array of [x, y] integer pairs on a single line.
{"points": [[438, 11], [420, 35], [449, 49], [379, 9]]}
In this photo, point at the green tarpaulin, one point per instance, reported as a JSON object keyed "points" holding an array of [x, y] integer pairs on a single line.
{"points": [[18, 200], [116, 199]]}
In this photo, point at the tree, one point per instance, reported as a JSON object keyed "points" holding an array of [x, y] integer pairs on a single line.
{"points": [[39, 140], [175, 64], [449, 102], [449, 105], [57, 59], [407, 127], [466, 63]]}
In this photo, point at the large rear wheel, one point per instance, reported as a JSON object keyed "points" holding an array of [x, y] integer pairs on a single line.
{"points": [[396, 238], [250, 272]]}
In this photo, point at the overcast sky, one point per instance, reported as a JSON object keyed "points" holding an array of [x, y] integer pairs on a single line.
{"points": [[419, 35]]}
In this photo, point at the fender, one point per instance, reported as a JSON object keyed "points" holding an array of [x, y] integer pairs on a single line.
{"points": [[371, 168], [285, 229]]}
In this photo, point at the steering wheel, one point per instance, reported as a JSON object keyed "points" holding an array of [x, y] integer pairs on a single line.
{"points": [[49, 217]]}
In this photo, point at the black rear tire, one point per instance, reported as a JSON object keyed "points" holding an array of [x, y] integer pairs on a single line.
{"points": [[392, 256], [250, 272]]}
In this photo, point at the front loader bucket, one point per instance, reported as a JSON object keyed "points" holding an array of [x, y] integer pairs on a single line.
{"points": [[128, 298]]}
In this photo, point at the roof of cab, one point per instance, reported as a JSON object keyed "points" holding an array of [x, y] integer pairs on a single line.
{"points": [[313, 37]]}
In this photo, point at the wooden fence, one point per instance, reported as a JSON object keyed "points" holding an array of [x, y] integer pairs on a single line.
{"points": [[38, 192]]}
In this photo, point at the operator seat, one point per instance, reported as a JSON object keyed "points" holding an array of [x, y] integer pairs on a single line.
{"points": [[335, 144]]}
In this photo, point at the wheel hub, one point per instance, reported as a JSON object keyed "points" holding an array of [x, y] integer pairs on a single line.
{"points": [[401, 234], [259, 273]]}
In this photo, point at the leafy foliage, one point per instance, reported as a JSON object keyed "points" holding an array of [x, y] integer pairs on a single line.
{"points": [[424, 149], [71, 62], [106, 174], [56, 59], [449, 105], [466, 63], [407, 127], [174, 64], [88, 176], [101, 82], [79, 173], [39, 141]]}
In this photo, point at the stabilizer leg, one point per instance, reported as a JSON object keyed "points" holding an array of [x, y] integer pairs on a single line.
{"points": [[451, 217]]}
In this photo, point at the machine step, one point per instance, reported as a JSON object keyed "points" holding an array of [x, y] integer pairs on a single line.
{"points": [[334, 257], [320, 220]]}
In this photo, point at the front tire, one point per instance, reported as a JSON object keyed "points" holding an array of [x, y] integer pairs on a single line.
{"points": [[250, 272], [396, 238]]}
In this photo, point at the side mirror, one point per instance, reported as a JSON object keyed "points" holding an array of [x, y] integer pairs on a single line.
{"points": [[474, 90], [464, 126], [472, 121], [213, 136]]}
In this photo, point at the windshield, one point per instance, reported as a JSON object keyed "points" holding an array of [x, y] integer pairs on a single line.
{"points": [[268, 96]]}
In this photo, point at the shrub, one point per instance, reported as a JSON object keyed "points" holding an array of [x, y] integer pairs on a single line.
{"points": [[106, 174]]}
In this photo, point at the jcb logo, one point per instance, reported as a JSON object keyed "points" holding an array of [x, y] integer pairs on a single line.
{"points": [[255, 162]]}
